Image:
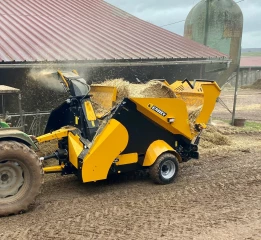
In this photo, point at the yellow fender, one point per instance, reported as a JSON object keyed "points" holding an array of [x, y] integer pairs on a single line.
{"points": [[155, 150]]}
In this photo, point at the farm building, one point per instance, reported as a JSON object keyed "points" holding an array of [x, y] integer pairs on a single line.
{"points": [[250, 70], [95, 38]]}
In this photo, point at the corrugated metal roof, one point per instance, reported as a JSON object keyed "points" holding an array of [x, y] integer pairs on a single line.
{"points": [[62, 30], [250, 62]]}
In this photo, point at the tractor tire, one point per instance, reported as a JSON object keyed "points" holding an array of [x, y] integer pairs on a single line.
{"points": [[21, 177], [165, 169]]}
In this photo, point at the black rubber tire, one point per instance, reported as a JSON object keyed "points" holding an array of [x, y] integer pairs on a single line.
{"points": [[32, 176], [155, 169]]}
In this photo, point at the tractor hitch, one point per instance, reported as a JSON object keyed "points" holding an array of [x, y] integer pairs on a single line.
{"points": [[59, 154]]}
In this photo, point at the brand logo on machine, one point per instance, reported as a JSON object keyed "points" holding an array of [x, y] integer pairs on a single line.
{"points": [[159, 111]]}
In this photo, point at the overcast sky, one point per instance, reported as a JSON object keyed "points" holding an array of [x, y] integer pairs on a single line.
{"points": [[162, 12]]}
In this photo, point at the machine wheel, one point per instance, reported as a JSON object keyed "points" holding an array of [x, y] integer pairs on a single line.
{"points": [[165, 169], [21, 177]]}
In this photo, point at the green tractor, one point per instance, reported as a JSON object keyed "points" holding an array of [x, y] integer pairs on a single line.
{"points": [[21, 173]]}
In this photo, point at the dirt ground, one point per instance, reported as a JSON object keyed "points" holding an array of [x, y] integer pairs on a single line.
{"points": [[216, 197], [248, 104]]}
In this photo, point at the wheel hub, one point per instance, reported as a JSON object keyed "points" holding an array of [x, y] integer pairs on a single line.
{"points": [[168, 169], [11, 178], [4, 177]]}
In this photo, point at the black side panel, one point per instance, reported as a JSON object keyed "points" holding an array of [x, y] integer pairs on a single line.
{"points": [[142, 130], [58, 118], [65, 114]]}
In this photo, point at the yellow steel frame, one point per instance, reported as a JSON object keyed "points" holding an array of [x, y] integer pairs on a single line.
{"points": [[127, 159], [53, 169]]}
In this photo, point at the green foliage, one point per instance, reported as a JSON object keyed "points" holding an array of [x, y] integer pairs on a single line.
{"points": [[251, 54], [253, 126], [249, 125]]}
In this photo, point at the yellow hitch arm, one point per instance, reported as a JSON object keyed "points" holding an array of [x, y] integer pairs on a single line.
{"points": [[58, 134]]}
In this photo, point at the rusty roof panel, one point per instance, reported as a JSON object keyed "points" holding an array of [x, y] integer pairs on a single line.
{"points": [[70, 30], [250, 61]]}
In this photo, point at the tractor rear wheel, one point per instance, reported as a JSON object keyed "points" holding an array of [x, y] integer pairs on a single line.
{"points": [[165, 169], [21, 177]]}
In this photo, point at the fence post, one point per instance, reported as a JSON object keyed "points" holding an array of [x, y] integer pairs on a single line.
{"points": [[21, 111], [235, 98]]}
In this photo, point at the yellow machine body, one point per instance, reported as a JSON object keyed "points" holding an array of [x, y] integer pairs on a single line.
{"points": [[136, 133]]}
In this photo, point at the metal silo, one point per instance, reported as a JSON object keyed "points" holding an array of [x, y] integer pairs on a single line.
{"points": [[219, 25]]}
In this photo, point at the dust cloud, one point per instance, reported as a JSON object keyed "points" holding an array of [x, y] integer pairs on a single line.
{"points": [[48, 78]]}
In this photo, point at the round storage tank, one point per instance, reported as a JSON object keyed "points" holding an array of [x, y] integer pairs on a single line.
{"points": [[219, 25]]}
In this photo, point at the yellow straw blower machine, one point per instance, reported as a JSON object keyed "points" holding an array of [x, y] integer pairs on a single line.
{"points": [[138, 133]]}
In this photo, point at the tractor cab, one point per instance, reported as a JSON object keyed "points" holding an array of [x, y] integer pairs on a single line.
{"points": [[5, 93]]}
